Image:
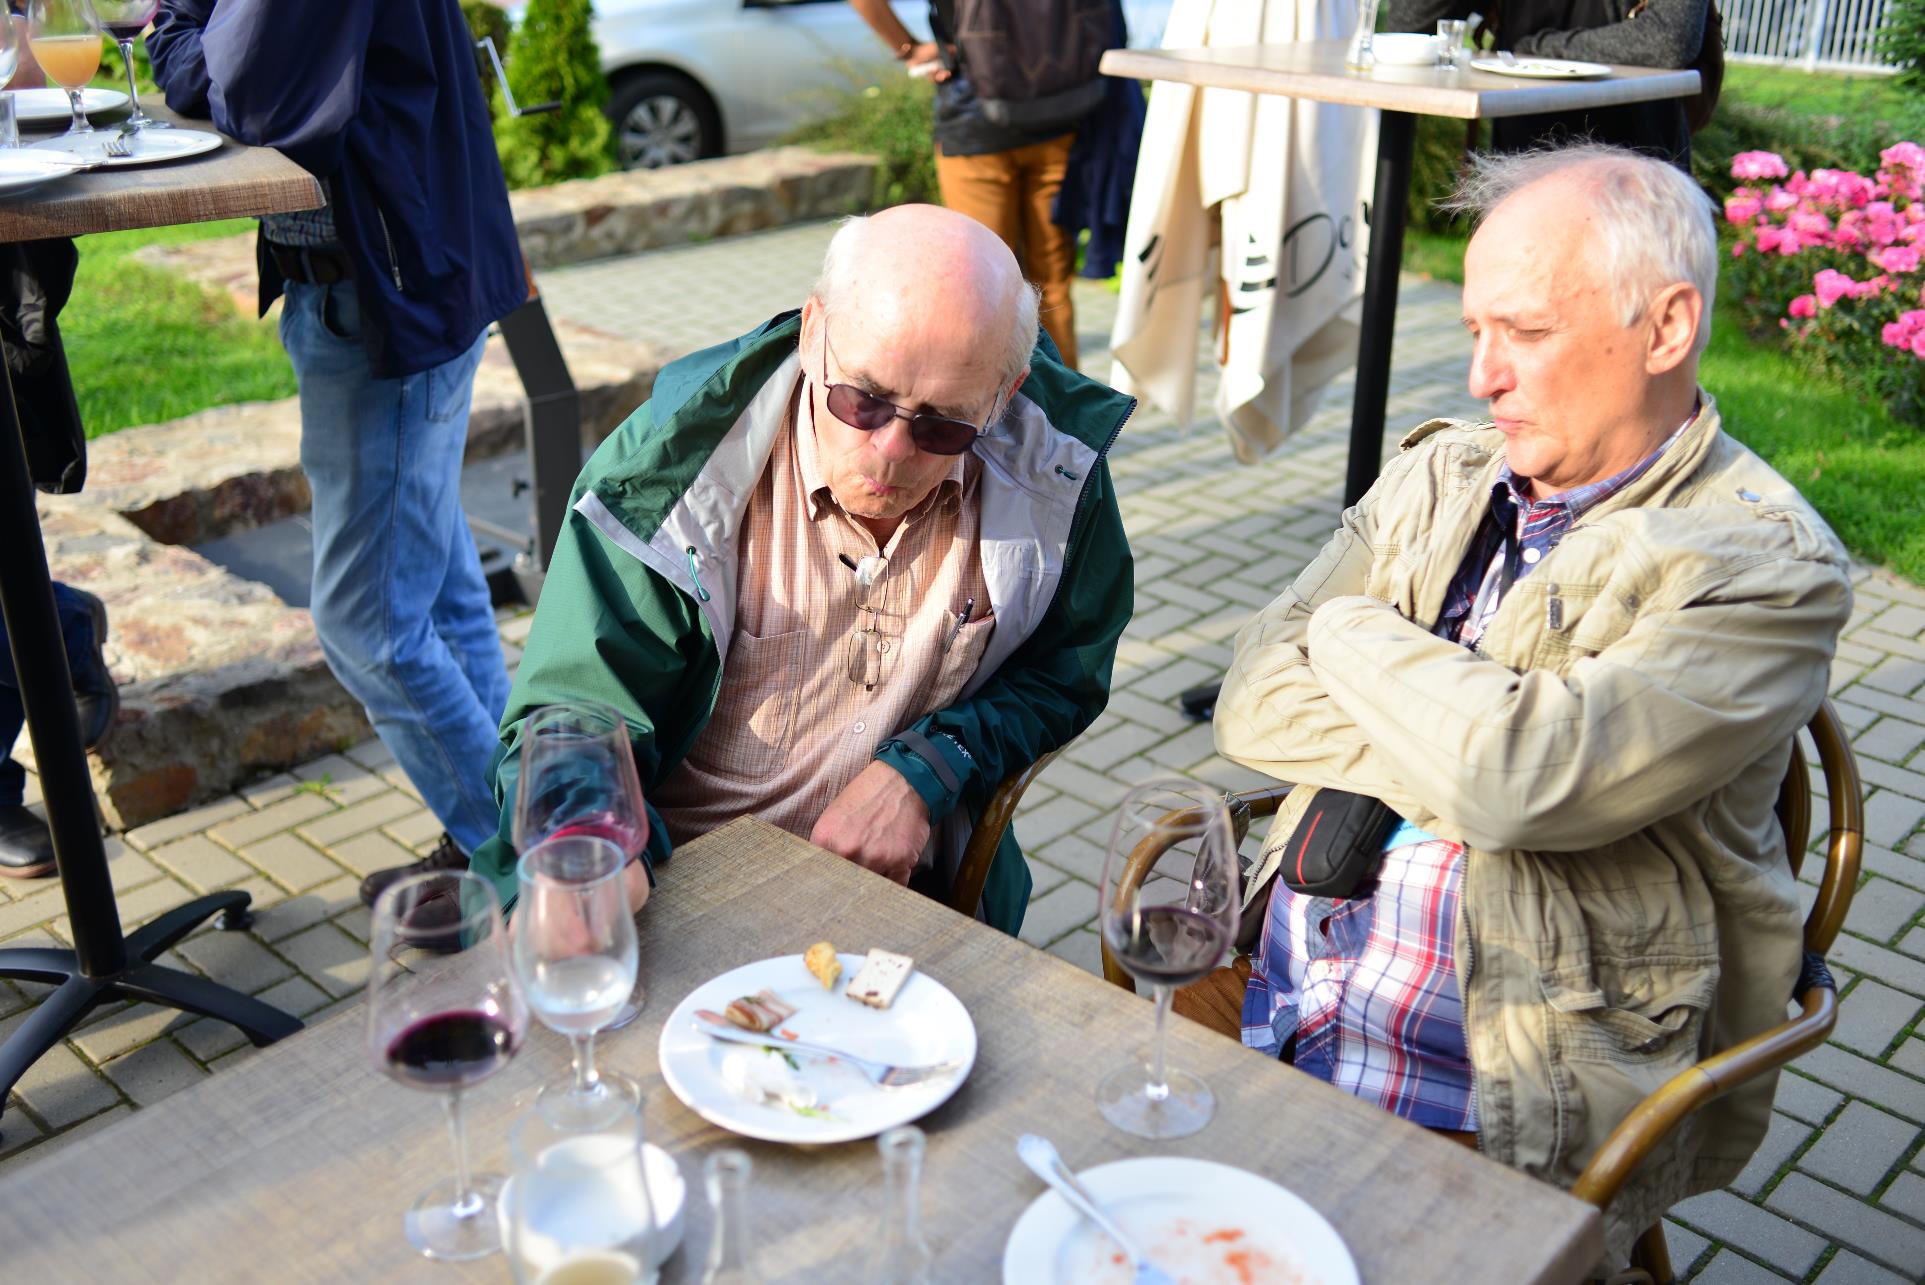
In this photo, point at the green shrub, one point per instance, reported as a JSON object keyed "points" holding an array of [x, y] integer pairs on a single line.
{"points": [[1436, 158], [893, 121], [1902, 41], [555, 61]]}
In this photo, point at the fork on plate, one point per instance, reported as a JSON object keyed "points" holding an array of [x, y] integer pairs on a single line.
{"points": [[881, 1074]]}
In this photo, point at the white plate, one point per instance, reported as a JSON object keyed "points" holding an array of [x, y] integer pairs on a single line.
{"points": [[1542, 68], [49, 106], [151, 147], [927, 1023], [1189, 1216], [22, 168]]}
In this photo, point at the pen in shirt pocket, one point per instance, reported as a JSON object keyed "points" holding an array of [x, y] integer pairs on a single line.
{"points": [[962, 618]]}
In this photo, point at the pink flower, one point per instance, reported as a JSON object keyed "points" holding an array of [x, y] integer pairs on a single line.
{"points": [[1907, 332], [1803, 306], [1742, 206], [1896, 258], [1831, 285], [1750, 165], [1781, 200]]}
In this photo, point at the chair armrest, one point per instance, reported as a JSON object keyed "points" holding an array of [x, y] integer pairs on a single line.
{"points": [[966, 892], [1652, 1119]]}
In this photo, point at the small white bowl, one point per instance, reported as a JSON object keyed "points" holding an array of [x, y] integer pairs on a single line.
{"points": [[668, 1196], [1404, 48]]}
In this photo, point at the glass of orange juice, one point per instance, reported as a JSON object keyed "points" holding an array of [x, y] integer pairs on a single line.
{"points": [[65, 38]]}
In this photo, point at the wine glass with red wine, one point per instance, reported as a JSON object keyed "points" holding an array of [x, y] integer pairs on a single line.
{"points": [[577, 778], [123, 21], [1168, 928], [444, 1014]]}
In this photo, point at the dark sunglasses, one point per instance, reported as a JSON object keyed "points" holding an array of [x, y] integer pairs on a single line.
{"points": [[936, 434]]}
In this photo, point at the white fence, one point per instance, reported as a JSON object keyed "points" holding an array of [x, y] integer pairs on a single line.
{"points": [[1828, 35]]}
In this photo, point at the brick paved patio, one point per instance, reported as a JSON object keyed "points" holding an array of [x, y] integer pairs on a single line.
{"points": [[1837, 1194]]}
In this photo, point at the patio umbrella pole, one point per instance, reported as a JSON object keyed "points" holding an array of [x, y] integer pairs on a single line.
{"points": [[103, 966]]}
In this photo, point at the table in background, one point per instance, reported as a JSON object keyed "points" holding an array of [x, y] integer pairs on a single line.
{"points": [[231, 181], [1315, 71], [298, 1164]]}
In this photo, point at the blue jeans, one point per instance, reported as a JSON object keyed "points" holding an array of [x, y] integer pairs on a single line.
{"points": [[399, 600], [77, 631]]}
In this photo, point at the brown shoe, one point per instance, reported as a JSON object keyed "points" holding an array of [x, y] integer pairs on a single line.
{"points": [[446, 856]]}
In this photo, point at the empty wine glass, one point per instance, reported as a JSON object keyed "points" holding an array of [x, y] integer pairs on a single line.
{"points": [[9, 63], [578, 1209], [574, 945], [65, 37], [124, 20], [577, 776], [444, 1013], [1168, 914]]}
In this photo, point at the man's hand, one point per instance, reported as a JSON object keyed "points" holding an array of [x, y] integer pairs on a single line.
{"points": [[926, 55], [878, 821]]}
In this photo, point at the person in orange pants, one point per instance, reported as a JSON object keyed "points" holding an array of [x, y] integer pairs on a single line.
{"points": [[1003, 175]]}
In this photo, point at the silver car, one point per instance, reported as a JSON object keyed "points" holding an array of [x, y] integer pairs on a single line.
{"points": [[695, 78]]}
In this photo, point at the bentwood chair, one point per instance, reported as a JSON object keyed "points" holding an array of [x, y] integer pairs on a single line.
{"points": [[966, 893], [1815, 993]]}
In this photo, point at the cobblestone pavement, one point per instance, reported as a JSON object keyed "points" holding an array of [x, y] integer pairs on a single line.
{"points": [[1836, 1195]]}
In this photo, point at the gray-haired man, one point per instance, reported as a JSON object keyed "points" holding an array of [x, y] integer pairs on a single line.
{"points": [[1569, 648]]}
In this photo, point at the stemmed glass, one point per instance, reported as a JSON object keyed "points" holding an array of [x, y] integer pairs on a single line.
{"points": [[9, 63], [1168, 929], [575, 952], [578, 777], [124, 20], [65, 35], [445, 1013]]}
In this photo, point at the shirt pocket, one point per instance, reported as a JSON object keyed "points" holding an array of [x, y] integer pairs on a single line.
{"points": [[763, 678], [958, 663]]}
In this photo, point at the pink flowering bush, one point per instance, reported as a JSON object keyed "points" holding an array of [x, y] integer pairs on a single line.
{"points": [[1833, 260]]}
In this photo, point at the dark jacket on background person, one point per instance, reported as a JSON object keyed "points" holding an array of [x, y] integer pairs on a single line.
{"points": [[1665, 33], [39, 276], [382, 101], [1102, 167]]}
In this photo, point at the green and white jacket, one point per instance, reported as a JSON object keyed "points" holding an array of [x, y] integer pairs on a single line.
{"points": [[640, 600]]}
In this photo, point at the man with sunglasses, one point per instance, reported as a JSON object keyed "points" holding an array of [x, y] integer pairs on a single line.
{"points": [[847, 572]]}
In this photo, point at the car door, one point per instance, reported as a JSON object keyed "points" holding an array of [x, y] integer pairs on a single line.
{"points": [[791, 61]]}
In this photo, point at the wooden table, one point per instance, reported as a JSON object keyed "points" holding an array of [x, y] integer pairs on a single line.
{"points": [[1315, 71], [297, 1165], [103, 966]]}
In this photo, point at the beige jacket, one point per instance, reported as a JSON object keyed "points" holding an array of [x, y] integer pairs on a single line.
{"points": [[1609, 754]]}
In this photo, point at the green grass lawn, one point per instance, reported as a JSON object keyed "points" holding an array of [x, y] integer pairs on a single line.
{"points": [[1804, 94], [145, 345]]}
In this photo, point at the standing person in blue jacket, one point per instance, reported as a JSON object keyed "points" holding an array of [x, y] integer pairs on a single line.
{"points": [[389, 289]]}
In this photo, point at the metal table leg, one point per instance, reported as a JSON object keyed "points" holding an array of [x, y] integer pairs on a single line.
{"points": [[99, 968], [1396, 139]]}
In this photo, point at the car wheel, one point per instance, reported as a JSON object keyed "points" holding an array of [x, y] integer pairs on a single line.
{"points": [[662, 119]]}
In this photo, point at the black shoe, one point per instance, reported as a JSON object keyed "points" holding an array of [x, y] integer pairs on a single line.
{"points": [[446, 856], [26, 844], [95, 696]]}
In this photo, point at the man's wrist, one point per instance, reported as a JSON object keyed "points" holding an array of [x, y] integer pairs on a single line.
{"points": [[905, 49], [936, 767]]}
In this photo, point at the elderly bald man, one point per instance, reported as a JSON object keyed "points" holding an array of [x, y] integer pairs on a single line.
{"points": [[1568, 648], [846, 572]]}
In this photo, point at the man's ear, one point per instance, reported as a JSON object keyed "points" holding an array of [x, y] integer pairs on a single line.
{"points": [[1675, 314]]}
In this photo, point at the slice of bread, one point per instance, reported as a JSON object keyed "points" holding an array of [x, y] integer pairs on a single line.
{"points": [[880, 979], [821, 960]]}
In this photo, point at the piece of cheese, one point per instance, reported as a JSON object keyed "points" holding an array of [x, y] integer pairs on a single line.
{"points": [[822, 961], [880, 978]]}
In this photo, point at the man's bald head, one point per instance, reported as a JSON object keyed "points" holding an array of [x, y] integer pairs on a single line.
{"points": [[915, 267]]}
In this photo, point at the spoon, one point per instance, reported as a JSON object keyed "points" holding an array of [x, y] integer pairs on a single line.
{"points": [[1040, 1155]]}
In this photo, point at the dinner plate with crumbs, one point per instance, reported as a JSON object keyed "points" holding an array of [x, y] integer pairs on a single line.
{"points": [[801, 1098], [1542, 68], [50, 106], [1204, 1223]]}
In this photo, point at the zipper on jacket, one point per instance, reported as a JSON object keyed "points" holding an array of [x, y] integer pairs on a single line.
{"points": [[394, 264], [1069, 545], [701, 591]]}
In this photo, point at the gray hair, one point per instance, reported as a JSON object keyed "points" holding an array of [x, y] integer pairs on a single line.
{"points": [[1655, 224], [832, 287]]}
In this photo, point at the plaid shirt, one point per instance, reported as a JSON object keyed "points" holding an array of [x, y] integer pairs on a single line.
{"points": [[1367, 987]]}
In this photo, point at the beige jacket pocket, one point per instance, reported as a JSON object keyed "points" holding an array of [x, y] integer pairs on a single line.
{"points": [[1650, 1011]]}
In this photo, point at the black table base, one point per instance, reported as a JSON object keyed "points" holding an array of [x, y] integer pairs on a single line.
{"points": [[103, 966]]}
